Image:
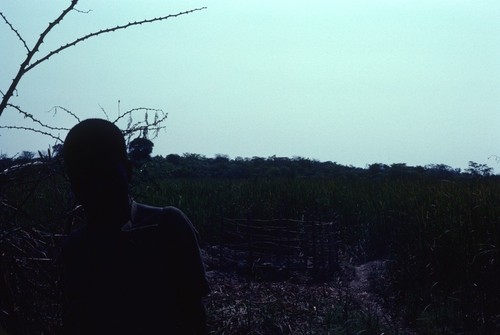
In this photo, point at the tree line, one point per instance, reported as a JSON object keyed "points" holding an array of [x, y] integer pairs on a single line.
{"points": [[191, 165]]}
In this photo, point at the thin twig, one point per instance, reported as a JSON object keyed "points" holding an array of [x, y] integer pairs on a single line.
{"points": [[137, 109], [22, 68], [57, 138], [144, 126], [82, 11], [30, 116], [104, 111], [15, 31], [108, 30], [130, 132], [66, 110]]}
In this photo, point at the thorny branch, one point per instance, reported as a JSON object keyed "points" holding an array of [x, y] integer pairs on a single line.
{"points": [[27, 65], [131, 128], [32, 118], [145, 125], [104, 111], [22, 69], [55, 108], [15, 31], [82, 11], [129, 112], [57, 138], [108, 30]]}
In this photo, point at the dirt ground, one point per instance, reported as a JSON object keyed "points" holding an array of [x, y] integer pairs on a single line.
{"points": [[346, 303]]}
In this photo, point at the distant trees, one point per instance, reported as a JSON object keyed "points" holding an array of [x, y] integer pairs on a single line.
{"points": [[140, 149], [377, 169], [26, 156], [190, 165], [476, 169], [173, 159]]}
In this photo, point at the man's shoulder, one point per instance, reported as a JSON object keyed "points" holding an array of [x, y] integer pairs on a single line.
{"points": [[144, 215], [167, 218]]}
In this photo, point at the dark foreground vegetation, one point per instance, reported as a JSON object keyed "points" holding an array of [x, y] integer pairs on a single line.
{"points": [[436, 228]]}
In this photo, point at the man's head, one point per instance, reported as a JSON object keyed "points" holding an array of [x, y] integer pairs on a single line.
{"points": [[95, 157]]}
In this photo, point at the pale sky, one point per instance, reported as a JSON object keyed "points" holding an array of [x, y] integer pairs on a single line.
{"points": [[354, 82]]}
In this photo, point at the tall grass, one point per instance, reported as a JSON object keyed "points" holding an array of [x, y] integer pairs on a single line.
{"points": [[442, 237]]}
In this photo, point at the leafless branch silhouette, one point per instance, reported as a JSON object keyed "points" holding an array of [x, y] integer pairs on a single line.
{"points": [[28, 65], [22, 69], [104, 31], [56, 108], [15, 31], [32, 118], [57, 138]]}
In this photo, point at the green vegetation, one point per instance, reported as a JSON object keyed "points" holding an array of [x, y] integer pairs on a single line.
{"points": [[438, 227]]}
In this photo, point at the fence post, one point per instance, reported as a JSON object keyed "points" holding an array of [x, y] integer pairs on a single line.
{"points": [[250, 269], [322, 247], [305, 241], [333, 260], [288, 246], [314, 249], [250, 243], [221, 236]]}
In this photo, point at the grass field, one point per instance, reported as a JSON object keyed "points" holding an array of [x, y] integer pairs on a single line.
{"points": [[441, 236]]}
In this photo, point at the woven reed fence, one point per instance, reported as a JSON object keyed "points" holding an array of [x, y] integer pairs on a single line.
{"points": [[29, 282], [277, 249]]}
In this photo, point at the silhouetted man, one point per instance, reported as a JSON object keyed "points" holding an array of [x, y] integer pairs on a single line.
{"points": [[132, 269]]}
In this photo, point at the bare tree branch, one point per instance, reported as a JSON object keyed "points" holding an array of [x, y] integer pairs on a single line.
{"points": [[156, 110], [128, 133], [82, 11], [55, 108], [15, 31], [143, 126], [108, 30], [27, 65], [32, 118], [22, 69], [57, 138], [104, 111]]}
